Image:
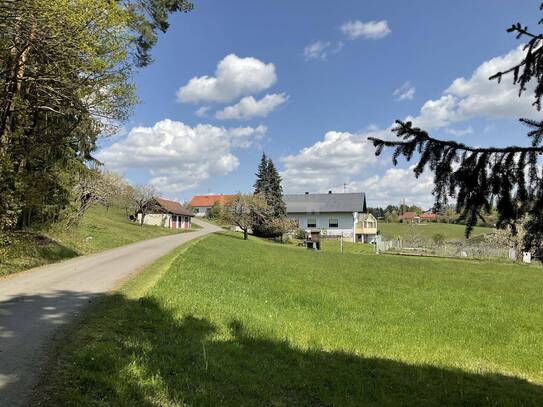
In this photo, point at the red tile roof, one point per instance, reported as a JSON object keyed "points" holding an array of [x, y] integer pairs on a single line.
{"points": [[210, 200], [428, 216], [173, 207], [408, 215]]}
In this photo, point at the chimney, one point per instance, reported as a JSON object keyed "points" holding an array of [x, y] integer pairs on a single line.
{"points": [[329, 192]]}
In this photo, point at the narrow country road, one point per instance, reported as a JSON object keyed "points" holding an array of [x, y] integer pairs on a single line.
{"points": [[34, 304]]}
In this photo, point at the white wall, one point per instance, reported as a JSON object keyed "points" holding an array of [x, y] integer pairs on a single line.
{"points": [[345, 222], [164, 220], [156, 219], [201, 210]]}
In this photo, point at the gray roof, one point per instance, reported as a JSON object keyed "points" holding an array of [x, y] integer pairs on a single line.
{"points": [[307, 203]]}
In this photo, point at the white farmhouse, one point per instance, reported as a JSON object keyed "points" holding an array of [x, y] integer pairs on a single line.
{"points": [[334, 214]]}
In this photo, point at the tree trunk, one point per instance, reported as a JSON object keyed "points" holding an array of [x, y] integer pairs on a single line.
{"points": [[244, 234]]}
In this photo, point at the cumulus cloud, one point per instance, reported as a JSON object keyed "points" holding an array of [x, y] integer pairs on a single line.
{"points": [[338, 158], [404, 92], [248, 107], [234, 77], [370, 30], [394, 185], [476, 96], [346, 159], [177, 156]]}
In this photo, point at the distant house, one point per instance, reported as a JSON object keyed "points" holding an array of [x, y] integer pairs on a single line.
{"points": [[166, 213], [409, 217], [203, 203], [428, 217], [413, 217], [336, 214]]}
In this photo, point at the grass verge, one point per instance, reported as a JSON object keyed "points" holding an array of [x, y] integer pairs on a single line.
{"points": [[231, 322], [99, 230]]}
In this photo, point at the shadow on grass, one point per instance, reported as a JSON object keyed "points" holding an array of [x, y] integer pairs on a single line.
{"points": [[30, 249], [136, 353]]}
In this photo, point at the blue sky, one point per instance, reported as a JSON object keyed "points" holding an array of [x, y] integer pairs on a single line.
{"points": [[307, 82]]}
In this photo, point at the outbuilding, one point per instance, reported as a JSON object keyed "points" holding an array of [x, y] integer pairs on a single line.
{"points": [[166, 213]]}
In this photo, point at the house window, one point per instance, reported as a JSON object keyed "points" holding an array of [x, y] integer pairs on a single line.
{"points": [[333, 223], [312, 222]]}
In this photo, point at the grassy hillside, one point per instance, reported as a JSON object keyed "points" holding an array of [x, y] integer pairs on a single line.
{"points": [[100, 229], [427, 230], [235, 323]]}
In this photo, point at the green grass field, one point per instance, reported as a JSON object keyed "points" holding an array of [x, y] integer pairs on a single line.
{"points": [[99, 230], [233, 322], [427, 230]]}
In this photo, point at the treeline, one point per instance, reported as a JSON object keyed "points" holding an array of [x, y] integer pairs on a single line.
{"points": [[447, 214], [66, 80]]}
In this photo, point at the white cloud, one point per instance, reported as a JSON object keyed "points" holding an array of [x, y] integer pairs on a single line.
{"points": [[316, 50], [371, 29], [347, 158], [202, 111], [321, 49], [234, 77], [180, 157], [249, 107], [477, 96], [397, 184], [460, 132], [328, 163], [404, 92]]}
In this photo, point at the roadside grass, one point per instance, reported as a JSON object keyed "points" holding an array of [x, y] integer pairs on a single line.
{"points": [[427, 230], [233, 322], [99, 230]]}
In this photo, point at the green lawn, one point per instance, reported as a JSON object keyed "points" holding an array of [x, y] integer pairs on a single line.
{"points": [[427, 230], [233, 322], [99, 230]]}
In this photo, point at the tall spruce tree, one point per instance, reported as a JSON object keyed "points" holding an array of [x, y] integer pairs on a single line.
{"points": [[268, 184], [479, 177], [274, 196], [261, 183]]}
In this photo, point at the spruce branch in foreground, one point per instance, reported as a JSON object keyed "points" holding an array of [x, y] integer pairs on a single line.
{"points": [[479, 177]]}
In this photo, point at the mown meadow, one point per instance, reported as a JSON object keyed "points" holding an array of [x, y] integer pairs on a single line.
{"points": [[230, 322]]}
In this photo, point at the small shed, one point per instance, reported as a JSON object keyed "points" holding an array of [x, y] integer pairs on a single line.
{"points": [[313, 239], [166, 213]]}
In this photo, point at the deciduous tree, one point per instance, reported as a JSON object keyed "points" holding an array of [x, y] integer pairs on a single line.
{"points": [[242, 209], [143, 199]]}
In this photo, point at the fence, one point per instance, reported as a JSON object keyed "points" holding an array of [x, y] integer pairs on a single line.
{"points": [[449, 249]]}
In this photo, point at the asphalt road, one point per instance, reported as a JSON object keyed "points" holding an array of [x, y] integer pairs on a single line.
{"points": [[36, 303]]}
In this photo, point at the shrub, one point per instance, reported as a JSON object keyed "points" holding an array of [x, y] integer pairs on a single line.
{"points": [[439, 239], [299, 234]]}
